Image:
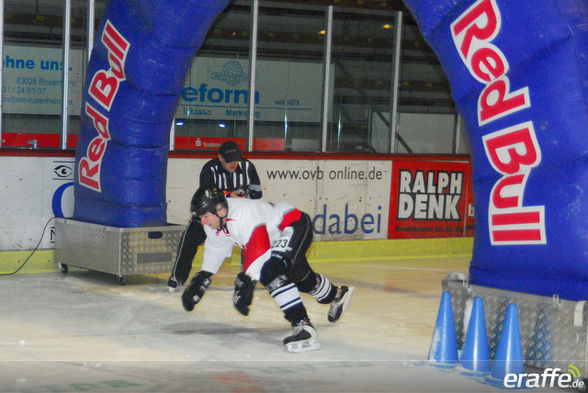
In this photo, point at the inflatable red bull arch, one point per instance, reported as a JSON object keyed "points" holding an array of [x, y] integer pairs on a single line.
{"points": [[142, 53], [518, 71]]}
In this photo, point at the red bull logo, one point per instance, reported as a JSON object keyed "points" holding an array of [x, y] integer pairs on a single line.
{"points": [[103, 89], [105, 83], [512, 151]]}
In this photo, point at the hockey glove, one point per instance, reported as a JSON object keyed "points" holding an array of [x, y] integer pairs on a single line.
{"points": [[194, 292], [243, 295]]}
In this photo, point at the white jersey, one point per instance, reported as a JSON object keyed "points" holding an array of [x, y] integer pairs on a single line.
{"points": [[255, 226]]}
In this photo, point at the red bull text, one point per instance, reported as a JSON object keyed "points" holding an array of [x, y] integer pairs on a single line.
{"points": [[103, 89], [512, 151]]}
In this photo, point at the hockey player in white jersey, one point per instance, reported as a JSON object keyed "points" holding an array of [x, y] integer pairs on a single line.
{"points": [[274, 239]]}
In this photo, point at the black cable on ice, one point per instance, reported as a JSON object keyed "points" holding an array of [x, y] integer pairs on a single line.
{"points": [[32, 252]]}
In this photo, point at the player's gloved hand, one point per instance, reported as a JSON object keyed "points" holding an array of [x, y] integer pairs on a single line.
{"points": [[194, 292], [243, 295]]}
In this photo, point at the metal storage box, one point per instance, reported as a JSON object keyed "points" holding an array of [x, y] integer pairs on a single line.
{"points": [[553, 331], [114, 250]]}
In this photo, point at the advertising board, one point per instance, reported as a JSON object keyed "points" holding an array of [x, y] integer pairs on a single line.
{"points": [[218, 88], [431, 199], [347, 199], [32, 80], [215, 88]]}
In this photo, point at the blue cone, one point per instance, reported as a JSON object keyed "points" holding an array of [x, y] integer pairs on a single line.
{"points": [[443, 350], [509, 353], [475, 355]]}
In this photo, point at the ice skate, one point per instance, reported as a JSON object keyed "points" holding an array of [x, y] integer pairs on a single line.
{"points": [[304, 338], [339, 304], [172, 284]]}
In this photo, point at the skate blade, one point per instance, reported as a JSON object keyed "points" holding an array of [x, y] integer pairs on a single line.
{"points": [[303, 346], [347, 299]]}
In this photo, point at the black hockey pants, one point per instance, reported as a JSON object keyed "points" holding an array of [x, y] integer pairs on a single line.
{"points": [[300, 271]]}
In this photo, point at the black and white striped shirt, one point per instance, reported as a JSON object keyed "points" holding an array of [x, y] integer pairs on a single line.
{"points": [[244, 178]]}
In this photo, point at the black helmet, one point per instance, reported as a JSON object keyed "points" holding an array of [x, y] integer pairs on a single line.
{"points": [[206, 199]]}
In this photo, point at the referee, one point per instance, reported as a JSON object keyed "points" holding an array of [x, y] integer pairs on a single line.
{"points": [[230, 172]]}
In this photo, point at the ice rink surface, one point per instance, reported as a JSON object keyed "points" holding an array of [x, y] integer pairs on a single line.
{"points": [[82, 332]]}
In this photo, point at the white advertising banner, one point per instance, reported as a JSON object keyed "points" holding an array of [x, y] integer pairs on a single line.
{"points": [[217, 88], [347, 199], [32, 80]]}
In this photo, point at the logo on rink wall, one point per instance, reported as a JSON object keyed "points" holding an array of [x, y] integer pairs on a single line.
{"points": [[429, 195], [232, 73], [62, 173], [347, 223], [431, 199]]}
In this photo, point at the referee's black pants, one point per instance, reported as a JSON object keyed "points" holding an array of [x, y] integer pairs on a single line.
{"points": [[192, 237]]}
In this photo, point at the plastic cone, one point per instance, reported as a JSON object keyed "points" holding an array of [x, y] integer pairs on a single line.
{"points": [[443, 350], [509, 353], [475, 355]]}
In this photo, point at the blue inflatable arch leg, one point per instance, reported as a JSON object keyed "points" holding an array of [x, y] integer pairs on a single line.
{"points": [[141, 56], [518, 71]]}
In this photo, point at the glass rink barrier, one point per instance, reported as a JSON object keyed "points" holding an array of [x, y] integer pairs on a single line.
{"points": [[115, 250]]}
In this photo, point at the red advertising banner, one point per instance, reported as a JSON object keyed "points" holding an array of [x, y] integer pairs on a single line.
{"points": [[44, 140], [36, 140], [213, 143], [206, 143], [431, 198]]}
